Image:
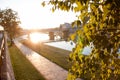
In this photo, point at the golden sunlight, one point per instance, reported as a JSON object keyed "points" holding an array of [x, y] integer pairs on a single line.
{"points": [[38, 37]]}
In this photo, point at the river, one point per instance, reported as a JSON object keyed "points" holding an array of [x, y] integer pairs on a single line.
{"points": [[66, 45]]}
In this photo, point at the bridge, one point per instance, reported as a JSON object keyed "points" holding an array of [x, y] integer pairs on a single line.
{"points": [[63, 32]]}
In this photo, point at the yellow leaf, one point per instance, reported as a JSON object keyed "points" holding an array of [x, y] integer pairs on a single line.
{"points": [[43, 3]]}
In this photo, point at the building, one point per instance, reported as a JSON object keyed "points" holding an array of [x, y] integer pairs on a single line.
{"points": [[66, 29]]}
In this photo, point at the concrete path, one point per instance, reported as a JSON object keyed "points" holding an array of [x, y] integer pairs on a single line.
{"points": [[48, 69]]}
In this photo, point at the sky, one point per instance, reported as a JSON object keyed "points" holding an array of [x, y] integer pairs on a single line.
{"points": [[33, 15]]}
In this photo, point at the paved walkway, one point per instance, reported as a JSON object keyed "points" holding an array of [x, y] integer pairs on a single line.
{"points": [[48, 69]]}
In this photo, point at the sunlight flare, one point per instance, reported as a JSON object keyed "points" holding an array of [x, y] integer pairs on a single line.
{"points": [[38, 37]]}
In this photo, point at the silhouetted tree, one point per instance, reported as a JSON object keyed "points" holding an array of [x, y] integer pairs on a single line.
{"points": [[10, 21]]}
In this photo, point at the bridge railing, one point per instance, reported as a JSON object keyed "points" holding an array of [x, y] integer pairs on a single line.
{"points": [[6, 71]]}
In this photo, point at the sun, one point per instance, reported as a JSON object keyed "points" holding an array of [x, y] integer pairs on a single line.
{"points": [[34, 37], [37, 37]]}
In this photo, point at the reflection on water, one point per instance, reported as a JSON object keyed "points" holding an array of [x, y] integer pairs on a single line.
{"points": [[67, 46], [62, 44], [41, 37], [38, 37]]}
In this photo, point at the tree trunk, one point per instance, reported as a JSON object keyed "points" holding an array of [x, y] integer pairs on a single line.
{"points": [[11, 42]]}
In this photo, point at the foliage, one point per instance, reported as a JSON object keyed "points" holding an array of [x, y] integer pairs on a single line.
{"points": [[10, 21], [98, 22]]}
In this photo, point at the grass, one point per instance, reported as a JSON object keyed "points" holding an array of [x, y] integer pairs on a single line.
{"points": [[23, 69], [56, 55]]}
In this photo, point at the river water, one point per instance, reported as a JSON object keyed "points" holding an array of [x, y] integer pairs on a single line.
{"points": [[66, 45], [40, 37]]}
